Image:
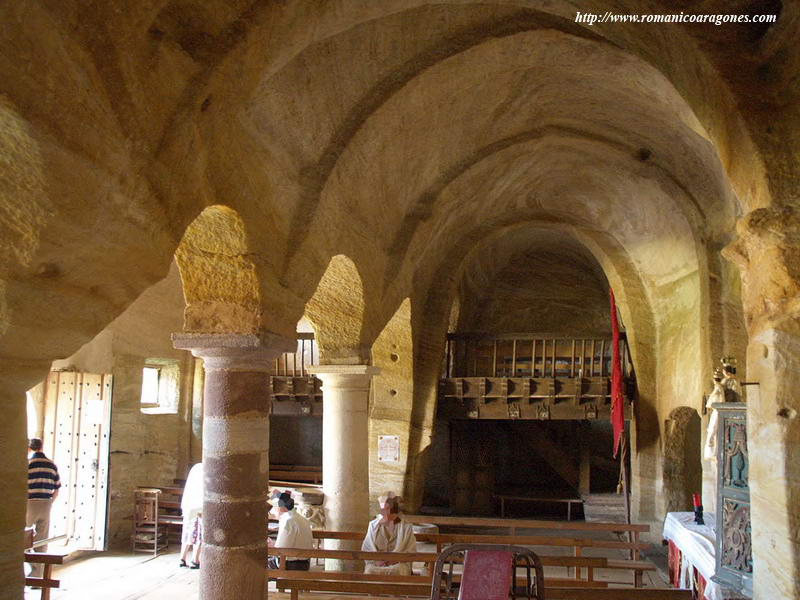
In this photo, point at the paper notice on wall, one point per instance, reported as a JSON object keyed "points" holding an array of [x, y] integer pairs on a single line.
{"points": [[389, 448]]}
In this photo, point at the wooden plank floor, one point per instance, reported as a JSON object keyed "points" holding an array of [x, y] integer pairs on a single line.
{"points": [[126, 576]]}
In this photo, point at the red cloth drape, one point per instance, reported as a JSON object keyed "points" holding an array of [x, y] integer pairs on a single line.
{"points": [[674, 565], [617, 399], [700, 585]]}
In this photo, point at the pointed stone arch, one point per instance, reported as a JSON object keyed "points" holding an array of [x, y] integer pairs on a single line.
{"points": [[220, 283], [336, 311]]}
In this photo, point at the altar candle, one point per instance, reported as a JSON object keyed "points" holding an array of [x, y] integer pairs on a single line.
{"points": [[696, 500]]}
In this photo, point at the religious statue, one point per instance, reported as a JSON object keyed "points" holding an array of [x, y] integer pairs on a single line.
{"points": [[733, 389], [726, 389], [717, 395]]}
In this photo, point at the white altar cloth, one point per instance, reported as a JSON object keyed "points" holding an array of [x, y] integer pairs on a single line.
{"points": [[696, 543]]}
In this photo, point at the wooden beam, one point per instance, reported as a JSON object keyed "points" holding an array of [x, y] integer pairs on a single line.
{"points": [[572, 362], [584, 476]]}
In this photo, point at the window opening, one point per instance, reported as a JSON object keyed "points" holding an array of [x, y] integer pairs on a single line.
{"points": [[150, 381]]}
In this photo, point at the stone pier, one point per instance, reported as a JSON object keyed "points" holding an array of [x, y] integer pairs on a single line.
{"points": [[236, 461], [345, 451]]}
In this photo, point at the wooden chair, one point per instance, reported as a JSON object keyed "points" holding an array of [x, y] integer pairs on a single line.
{"points": [[489, 573], [148, 534], [169, 509]]}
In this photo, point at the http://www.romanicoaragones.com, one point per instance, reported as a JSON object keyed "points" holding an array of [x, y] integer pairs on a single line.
{"points": [[717, 19]]}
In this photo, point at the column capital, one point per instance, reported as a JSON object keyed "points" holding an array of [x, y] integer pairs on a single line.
{"points": [[344, 376], [344, 373], [241, 351]]}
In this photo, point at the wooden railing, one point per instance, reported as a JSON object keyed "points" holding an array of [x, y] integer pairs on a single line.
{"points": [[530, 355], [293, 364]]}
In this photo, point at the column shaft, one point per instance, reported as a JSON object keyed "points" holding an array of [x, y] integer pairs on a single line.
{"points": [[236, 471], [345, 452], [236, 404]]}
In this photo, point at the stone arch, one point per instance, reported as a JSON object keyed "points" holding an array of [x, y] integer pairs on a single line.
{"points": [[220, 283], [637, 305], [336, 311], [682, 468]]}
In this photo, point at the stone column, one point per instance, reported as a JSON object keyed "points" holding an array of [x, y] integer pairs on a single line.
{"points": [[345, 451], [236, 461], [15, 377], [766, 253]]}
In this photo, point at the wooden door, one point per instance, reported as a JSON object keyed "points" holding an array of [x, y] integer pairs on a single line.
{"points": [[76, 432], [472, 460]]}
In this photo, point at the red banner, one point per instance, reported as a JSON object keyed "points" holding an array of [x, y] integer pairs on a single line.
{"points": [[617, 398]]}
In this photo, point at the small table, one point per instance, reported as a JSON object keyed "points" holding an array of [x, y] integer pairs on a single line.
{"points": [[568, 501], [696, 544]]}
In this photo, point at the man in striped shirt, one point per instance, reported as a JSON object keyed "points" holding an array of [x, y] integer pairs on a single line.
{"points": [[43, 486]]}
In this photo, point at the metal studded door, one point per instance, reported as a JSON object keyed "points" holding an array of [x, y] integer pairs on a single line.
{"points": [[77, 420]]}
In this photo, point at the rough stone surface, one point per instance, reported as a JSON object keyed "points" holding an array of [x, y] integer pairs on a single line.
{"points": [[391, 405], [682, 468], [260, 140]]}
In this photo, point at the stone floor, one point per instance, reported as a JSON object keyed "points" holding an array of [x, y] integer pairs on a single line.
{"points": [[126, 576]]}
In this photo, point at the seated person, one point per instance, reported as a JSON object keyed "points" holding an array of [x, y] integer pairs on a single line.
{"points": [[389, 533], [294, 531]]}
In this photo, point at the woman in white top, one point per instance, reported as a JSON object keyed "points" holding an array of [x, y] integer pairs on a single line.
{"points": [[191, 509], [389, 533]]}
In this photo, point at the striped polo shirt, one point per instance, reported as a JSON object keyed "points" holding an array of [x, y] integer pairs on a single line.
{"points": [[43, 478]]}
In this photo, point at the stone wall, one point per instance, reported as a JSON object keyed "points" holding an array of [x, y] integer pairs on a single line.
{"points": [[391, 404], [146, 449]]}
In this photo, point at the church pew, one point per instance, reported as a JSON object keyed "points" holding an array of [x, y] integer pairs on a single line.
{"points": [[514, 524], [637, 567], [46, 581], [631, 530], [588, 563], [296, 473], [417, 586], [618, 594]]}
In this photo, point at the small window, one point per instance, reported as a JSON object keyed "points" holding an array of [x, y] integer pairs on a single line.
{"points": [[150, 380], [161, 380]]}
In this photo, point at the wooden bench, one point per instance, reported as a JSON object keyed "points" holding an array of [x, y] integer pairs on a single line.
{"points": [[296, 473], [420, 586], [576, 545], [46, 581], [301, 579], [631, 530], [568, 501], [514, 524], [619, 594]]}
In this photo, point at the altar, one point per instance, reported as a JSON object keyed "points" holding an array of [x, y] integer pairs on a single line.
{"points": [[692, 561]]}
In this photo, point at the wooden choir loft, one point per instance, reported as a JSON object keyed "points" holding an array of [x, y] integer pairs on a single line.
{"points": [[523, 429]]}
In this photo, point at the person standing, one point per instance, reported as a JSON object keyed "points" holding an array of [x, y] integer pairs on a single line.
{"points": [[192, 510], [43, 486]]}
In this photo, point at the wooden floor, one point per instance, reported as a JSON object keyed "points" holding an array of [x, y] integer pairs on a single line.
{"points": [[126, 576]]}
